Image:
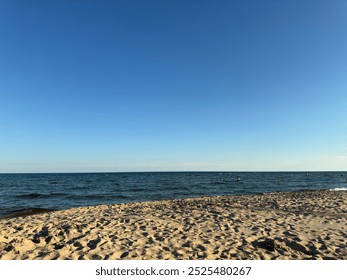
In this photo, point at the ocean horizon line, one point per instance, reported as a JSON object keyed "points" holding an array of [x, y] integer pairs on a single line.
{"points": [[174, 171]]}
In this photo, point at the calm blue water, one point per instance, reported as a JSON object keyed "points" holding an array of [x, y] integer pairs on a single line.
{"points": [[60, 191]]}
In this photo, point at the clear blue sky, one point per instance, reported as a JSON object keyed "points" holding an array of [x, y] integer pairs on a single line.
{"points": [[173, 85]]}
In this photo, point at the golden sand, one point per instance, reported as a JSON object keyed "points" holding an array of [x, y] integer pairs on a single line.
{"points": [[298, 225]]}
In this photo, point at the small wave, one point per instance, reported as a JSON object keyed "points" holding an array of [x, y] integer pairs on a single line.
{"points": [[24, 212], [53, 182], [99, 197], [218, 183], [38, 195], [138, 190], [338, 189]]}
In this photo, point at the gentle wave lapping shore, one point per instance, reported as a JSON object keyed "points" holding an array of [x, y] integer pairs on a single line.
{"points": [[295, 225]]}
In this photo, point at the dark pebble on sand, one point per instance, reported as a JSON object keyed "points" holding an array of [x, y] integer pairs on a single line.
{"points": [[176, 254], [48, 239], [58, 246], [36, 240], [77, 244], [202, 248], [96, 257], [44, 232], [267, 244], [9, 248], [150, 240], [223, 256], [124, 255], [93, 243]]}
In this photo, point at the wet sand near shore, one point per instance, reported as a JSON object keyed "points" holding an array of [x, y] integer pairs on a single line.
{"points": [[296, 225]]}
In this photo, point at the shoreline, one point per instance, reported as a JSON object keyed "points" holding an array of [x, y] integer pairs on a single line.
{"points": [[287, 225], [34, 211]]}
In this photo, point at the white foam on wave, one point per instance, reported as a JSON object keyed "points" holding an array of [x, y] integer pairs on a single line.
{"points": [[339, 189]]}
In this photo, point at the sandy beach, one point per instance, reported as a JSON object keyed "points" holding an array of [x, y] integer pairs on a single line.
{"points": [[297, 225]]}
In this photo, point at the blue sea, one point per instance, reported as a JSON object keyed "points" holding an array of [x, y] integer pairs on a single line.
{"points": [[23, 192]]}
